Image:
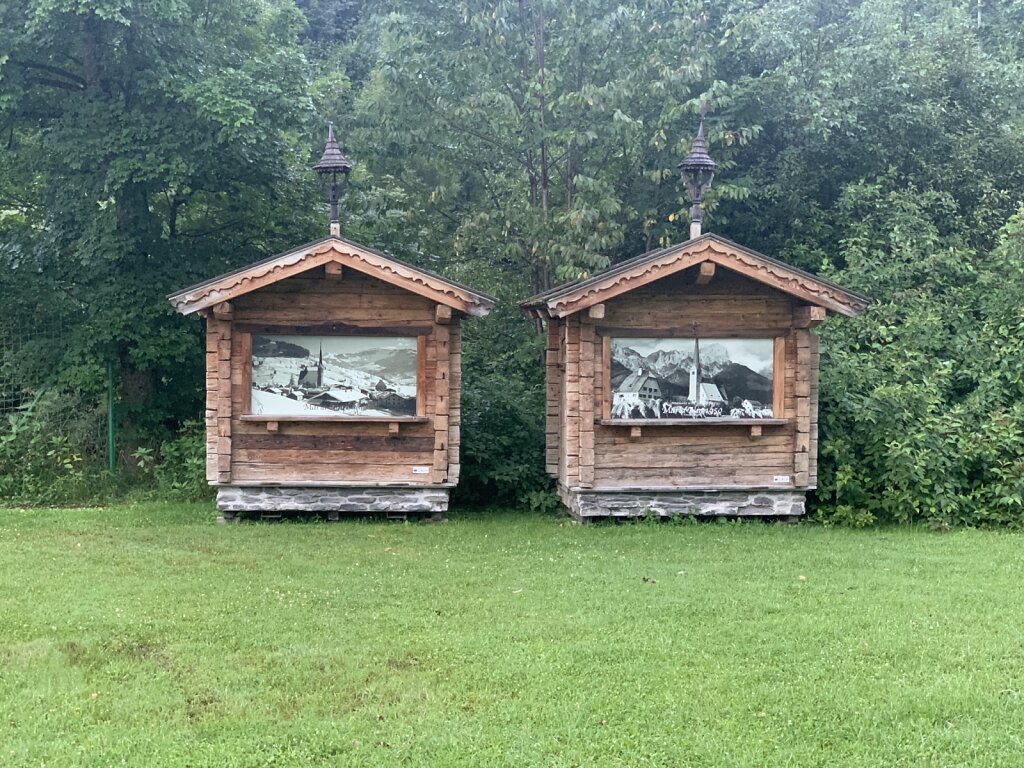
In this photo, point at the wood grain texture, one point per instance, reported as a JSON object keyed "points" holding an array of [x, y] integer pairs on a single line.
{"points": [[340, 449], [742, 453]]}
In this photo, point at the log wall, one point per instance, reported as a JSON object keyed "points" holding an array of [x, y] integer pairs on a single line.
{"points": [[585, 453], [245, 451]]}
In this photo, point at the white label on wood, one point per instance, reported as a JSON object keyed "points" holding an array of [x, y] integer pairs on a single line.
{"points": [[421, 470], [780, 479]]}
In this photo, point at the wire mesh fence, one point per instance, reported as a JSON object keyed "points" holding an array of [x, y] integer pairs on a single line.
{"points": [[31, 348]]}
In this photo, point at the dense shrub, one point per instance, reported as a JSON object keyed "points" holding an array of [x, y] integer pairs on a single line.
{"points": [[49, 452], [923, 397]]}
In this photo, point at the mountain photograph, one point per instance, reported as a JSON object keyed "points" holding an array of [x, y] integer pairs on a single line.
{"points": [[343, 375], [654, 376]]}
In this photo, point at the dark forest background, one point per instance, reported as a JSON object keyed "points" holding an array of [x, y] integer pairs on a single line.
{"points": [[512, 145]]}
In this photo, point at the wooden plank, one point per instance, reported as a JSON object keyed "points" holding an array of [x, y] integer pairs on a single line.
{"points": [[705, 272], [686, 332], [329, 473], [441, 399], [223, 311], [334, 329], [333, 271], [808, 316], [307, 458], [285, 440], [422, 390], [596, 312], [779, 377], [455, 398], [442, 314]]}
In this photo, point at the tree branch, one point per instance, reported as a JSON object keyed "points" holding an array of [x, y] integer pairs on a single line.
{"points": [[52, 70]]}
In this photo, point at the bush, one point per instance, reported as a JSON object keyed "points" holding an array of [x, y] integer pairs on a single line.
{"points": [[922, 416], [49, 452]]}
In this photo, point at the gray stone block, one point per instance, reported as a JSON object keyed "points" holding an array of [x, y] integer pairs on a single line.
{"points": [[331, 499], [760, 503]]}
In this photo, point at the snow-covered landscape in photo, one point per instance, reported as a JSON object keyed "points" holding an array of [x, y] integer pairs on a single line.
{"points": [[334, 375]]}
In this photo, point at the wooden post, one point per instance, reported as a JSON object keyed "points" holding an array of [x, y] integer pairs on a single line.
{"points": [[553, 385], [442, 402], [801, 458], [455, 401], [586, 402], [705, 272], [571, 449], [222, 373]]}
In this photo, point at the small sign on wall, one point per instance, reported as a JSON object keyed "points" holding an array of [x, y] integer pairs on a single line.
{"points": [[780, 479], [421, 470]]}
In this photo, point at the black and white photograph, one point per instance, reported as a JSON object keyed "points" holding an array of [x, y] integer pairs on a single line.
{"points": [[334, 375], [663, 378]]}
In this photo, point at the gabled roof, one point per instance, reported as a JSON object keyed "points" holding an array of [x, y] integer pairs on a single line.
{"points": [[635, 382], [570, 298], [361, 258]]}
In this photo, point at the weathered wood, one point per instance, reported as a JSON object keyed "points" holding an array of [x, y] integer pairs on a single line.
{"points": [[455, 400], [268, 272], [808, 316], [335, 329], [223, 311], [442, 314], [666, 263], [596, 312], [705, 272], [779, 378], [635, 433], [755, 431], [333, 271], [393, 427], [284, 440]]}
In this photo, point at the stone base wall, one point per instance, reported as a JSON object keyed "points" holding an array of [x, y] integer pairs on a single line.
{"points": [[239, 499], [757, 503]]}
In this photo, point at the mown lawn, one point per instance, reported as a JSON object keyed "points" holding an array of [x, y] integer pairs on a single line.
{"points": [[148, 636]]}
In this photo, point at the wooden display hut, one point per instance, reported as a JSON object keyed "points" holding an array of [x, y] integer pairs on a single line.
{"points": [[332, 381], [685, 381]]}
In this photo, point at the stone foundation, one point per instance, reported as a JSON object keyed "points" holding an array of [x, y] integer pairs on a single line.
{"points": [[585, 504], [239, 499]]}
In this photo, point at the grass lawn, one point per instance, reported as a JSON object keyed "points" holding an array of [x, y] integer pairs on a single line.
{"points": [[149, 636]]}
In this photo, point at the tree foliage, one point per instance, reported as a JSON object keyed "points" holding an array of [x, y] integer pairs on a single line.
{"points": [[520, 143]]}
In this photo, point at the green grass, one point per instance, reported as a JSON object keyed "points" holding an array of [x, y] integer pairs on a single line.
{"points": [[150, 636]]}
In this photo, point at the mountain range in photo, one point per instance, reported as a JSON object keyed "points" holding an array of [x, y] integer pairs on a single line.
{"points": [[741, 369]]}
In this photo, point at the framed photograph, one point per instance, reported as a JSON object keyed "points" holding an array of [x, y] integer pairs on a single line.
{"points": [[358, 376], [692, 378]]}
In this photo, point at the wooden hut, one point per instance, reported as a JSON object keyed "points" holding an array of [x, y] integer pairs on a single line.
{"points": [[332, 381], [685, 381]]}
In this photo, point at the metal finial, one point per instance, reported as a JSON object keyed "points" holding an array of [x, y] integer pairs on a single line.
{"points": [[334, 162]]}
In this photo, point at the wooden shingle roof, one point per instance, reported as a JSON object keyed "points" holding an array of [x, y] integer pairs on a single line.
{"points": [[338, 250], [570, 298]]}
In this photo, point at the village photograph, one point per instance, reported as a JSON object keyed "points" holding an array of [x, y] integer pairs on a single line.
{"points": [[691, 378], [339, 375]]}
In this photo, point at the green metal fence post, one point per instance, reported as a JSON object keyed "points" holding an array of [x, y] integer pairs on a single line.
{"points": [[111, 428]]}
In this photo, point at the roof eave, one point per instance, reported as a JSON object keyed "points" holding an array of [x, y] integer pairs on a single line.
{"points": [[213, 291]]}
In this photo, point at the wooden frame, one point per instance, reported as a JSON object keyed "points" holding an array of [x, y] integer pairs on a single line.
{"points": [[246, 331], [778, 336]]}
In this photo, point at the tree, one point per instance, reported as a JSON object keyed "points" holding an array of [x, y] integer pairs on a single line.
{"points": [[148, 145]]}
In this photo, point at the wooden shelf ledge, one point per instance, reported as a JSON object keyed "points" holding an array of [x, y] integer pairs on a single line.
{"points": [[394, 422], [691, 422], [258, 417]]}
